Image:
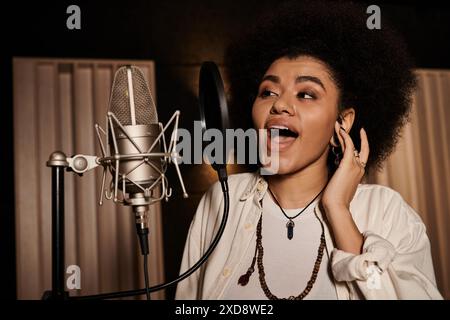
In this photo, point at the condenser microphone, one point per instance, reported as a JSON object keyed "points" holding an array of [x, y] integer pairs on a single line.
{"points": [[135, 131], [132, 104], [135, 152]]}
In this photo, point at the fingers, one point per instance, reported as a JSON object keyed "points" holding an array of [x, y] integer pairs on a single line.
{"points": [[349, 146], [364, 153], [337, 128]]}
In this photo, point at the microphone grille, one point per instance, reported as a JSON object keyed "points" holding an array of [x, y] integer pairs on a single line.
{"points": [[144, 105]]}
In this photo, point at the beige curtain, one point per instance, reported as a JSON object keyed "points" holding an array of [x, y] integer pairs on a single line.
{"points": [[56, 103], [420, 167]]}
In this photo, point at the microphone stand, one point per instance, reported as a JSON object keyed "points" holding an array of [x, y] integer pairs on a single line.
{"points": [[58, 162]]}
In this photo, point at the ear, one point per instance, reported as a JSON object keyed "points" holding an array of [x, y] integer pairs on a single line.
{"points": [[345, 119]]}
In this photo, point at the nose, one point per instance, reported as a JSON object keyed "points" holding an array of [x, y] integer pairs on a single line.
{"points": [[282, 105]]}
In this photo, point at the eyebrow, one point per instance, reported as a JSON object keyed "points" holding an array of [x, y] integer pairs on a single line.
{"points": [[276, 79]]}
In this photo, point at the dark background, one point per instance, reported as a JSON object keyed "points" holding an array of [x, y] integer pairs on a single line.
{"points": [[178, 36]]}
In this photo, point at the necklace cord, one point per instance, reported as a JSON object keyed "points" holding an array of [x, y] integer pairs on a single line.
{"points": [[290, 218]]}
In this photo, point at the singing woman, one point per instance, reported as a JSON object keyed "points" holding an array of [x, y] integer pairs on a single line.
{"points": [[338, 93]]}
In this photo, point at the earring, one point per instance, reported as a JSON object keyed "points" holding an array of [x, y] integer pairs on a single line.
{"points": [[337, 155], [337, 151]]}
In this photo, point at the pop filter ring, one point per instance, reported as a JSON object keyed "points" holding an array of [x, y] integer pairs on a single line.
{"points": [[213, 106], [212, 100]]}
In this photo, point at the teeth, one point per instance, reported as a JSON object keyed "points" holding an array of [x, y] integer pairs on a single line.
{"points": [[278, 127]]}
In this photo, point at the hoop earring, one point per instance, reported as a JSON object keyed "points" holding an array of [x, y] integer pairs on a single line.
{"points": [[337, 155]]}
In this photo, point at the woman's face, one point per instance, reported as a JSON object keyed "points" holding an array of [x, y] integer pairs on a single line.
{"points": [[300, 95]]}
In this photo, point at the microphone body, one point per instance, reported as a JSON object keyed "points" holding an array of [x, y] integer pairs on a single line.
{"points": [[144, 136]]}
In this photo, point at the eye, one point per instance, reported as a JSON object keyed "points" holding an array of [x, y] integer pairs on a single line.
{"points": [[306, 95], [267, 93]]}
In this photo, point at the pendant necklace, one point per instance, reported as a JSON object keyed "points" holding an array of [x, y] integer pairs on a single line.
{"points": [[290, 224]]}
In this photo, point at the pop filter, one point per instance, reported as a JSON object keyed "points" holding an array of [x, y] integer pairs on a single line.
{"points": [[213, 104]]}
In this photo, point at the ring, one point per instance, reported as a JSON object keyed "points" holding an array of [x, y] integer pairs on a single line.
{"points": [[356, 153]]}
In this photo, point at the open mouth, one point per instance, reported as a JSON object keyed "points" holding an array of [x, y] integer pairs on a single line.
{"points": [[281, 131], [280, 135]]}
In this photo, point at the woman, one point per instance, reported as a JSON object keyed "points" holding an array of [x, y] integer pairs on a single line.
{"points": [[315, 72]]}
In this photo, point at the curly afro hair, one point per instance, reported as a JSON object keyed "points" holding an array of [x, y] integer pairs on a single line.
{"points": [[372, 68]]}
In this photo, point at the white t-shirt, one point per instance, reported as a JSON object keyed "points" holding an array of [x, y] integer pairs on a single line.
{"points": [[288, 264]]}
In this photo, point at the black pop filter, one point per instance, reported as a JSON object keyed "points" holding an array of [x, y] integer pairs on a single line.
{"points": [[213, 103]]}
